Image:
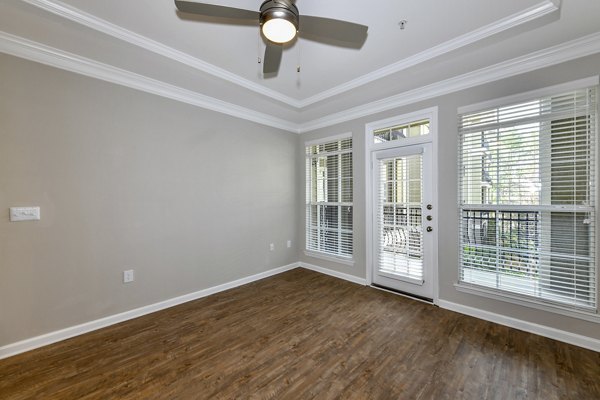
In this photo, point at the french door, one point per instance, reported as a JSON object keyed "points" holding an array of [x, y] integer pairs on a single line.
{"points": [[402, 220]]}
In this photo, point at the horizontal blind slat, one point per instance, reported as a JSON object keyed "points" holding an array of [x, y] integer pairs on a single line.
{"points": [[527, 197]]}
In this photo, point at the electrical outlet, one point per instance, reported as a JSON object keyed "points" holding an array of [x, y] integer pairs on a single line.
{"points": [[128, 276], [289, 244], [272, 247]]}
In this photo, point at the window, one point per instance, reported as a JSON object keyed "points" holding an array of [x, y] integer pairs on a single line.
{"points": [[329, 198], [527, 199], [399, 132]]}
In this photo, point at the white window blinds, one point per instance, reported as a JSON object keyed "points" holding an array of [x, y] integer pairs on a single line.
{"points": [[527, 199], [329, 198]]}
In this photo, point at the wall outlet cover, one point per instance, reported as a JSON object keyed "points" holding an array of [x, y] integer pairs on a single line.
{"points": [[128, 276]]}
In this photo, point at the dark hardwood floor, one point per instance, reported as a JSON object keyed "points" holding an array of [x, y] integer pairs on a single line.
{"points": [[303, 335]]}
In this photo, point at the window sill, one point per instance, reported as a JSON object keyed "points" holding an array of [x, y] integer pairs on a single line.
{"points": [[522, 301], [323, 256]]}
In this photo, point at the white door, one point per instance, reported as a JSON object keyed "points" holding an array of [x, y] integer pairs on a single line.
{"points": [[402, 220]]}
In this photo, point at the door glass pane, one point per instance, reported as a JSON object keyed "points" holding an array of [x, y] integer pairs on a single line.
{"points": [[400, 233]]}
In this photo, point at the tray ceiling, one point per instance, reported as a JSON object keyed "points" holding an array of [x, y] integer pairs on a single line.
{"points": [[441, 40]]}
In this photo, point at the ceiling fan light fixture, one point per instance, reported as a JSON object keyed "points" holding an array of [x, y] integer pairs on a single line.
{"points": [[279, 20], [279, 30]]}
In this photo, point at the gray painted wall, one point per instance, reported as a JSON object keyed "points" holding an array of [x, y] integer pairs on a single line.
{"points": [[448, 187], [187, 198]]}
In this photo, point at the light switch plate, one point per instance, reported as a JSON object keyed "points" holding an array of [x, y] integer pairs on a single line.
{"points": [[24, 214]]}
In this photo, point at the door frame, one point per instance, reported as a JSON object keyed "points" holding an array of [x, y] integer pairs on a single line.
{"points": [[432, 115]]}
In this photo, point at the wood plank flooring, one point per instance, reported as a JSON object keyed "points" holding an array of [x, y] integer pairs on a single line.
{"points": [[303, 335]]}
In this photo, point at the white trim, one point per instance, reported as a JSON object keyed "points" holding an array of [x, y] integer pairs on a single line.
{"points": [[37, 52], [328, 139], [542, 330], [581, 47], [90, 21], [327, 257], [368, 171], [336, 274], [567, 51], [533, 94], [434, 129], [431, 114], [537, 11], [426, 113], [62, 334], [514, 298]]}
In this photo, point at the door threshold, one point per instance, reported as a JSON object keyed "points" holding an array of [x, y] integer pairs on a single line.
{"points": [[403, 294]]}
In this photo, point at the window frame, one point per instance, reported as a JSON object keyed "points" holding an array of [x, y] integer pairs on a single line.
{"points": [[512, 297], [346, 260]]}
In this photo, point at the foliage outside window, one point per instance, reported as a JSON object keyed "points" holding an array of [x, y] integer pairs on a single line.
{"points": [[527, 199], [329, 206]]}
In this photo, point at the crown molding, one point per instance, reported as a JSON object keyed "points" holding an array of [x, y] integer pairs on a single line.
{"points": [[90, 21], [20, 47], [37, 52], [581, 47], [527, 15]]}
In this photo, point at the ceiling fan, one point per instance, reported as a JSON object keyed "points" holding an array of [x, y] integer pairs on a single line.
{"points": [[280, 22]]}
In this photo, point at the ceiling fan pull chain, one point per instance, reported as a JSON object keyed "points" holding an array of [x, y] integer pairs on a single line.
{"points": [[299, 54], [258, 49]]}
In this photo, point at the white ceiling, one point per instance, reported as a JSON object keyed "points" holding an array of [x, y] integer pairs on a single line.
{"points": [[442, 39], [235, 48]]}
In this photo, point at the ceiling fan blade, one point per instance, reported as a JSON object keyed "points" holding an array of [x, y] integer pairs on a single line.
{"points": [[272, 58], [333, 31], [211, 10]]}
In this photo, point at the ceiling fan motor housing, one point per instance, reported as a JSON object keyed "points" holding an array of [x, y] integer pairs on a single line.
{"points": [[279, 9]]}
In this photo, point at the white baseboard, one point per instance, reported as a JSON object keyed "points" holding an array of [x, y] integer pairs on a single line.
{"points": [[56, 336], [336, 274], [542, 330]]}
